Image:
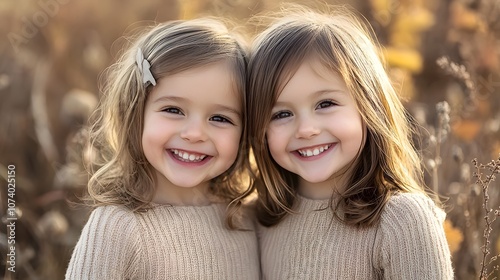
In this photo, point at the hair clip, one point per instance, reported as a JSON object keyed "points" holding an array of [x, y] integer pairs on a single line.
{"points": [[144, 66]]}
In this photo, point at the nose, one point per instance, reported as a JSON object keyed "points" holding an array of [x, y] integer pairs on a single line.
{"points": [[194, 131], [307, 128]]}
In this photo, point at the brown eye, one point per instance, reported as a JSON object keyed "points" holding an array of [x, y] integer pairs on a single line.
{"points": [[325, 104], [221, 119], [173, 110], [281, 115]]}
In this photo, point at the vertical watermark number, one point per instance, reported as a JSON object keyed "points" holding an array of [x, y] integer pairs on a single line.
{"points": [[11, 218]]}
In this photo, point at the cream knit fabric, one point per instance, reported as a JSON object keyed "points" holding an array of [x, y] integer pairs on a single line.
{"points": [[166, 242], [409, 243]]}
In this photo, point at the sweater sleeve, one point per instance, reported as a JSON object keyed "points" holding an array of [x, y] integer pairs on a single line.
{"points": [[411, 243], [108, 246]]}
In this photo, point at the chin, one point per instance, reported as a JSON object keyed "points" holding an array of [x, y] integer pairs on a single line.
{"points": [[315, 179], [184, 184]]}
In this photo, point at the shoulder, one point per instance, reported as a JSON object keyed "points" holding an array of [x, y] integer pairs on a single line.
{"points": [[111, 224], [112, 218], [110, 227], [108, 246], [411, 221], [411, 231], [112, 212], [410, 208]]}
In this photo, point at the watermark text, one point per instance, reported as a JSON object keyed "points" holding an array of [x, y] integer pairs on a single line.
{"points": [[11, 218]]}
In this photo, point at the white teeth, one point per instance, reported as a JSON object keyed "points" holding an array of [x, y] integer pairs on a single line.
{"points": [[314, 152], [187, 157]]}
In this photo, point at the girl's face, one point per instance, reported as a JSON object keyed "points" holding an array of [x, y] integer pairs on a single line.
{"points": [[192, 129], [316, 129]]}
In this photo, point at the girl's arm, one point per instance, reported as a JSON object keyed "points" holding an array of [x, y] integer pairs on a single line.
{"points": [[411, 243], [108, 246]]}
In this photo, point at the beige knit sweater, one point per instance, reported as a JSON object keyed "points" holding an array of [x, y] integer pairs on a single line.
{"points": [[409, 243], [167, 242]]}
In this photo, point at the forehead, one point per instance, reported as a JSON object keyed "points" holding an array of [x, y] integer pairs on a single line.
{"points": [[310, 73], [215, 82], [322, 65]]}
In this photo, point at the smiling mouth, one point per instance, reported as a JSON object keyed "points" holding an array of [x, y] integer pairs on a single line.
{"points": [[309, 152], [187, 157]]}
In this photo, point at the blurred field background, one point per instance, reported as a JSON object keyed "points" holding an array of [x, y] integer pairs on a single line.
{"points": [[52, 52]]}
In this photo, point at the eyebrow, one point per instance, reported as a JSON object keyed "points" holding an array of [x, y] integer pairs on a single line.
{"points": [[228, 109], [325, 91], [183, 100], [317, 93], [169, 98]]}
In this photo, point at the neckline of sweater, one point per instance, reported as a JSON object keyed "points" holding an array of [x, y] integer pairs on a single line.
{"points": [[304, 203], [217, 205]]}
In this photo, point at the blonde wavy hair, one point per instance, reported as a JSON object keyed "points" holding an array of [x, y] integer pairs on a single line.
{"points": [[387, 163], [119, 171]]}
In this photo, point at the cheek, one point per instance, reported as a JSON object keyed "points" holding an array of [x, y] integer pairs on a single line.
{"points": [[228, 143], [354, 134], [276, 141], [154, 130]]}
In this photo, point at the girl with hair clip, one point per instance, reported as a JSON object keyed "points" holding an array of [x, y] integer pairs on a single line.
{"points": [[168, 143], [340, 184]]}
